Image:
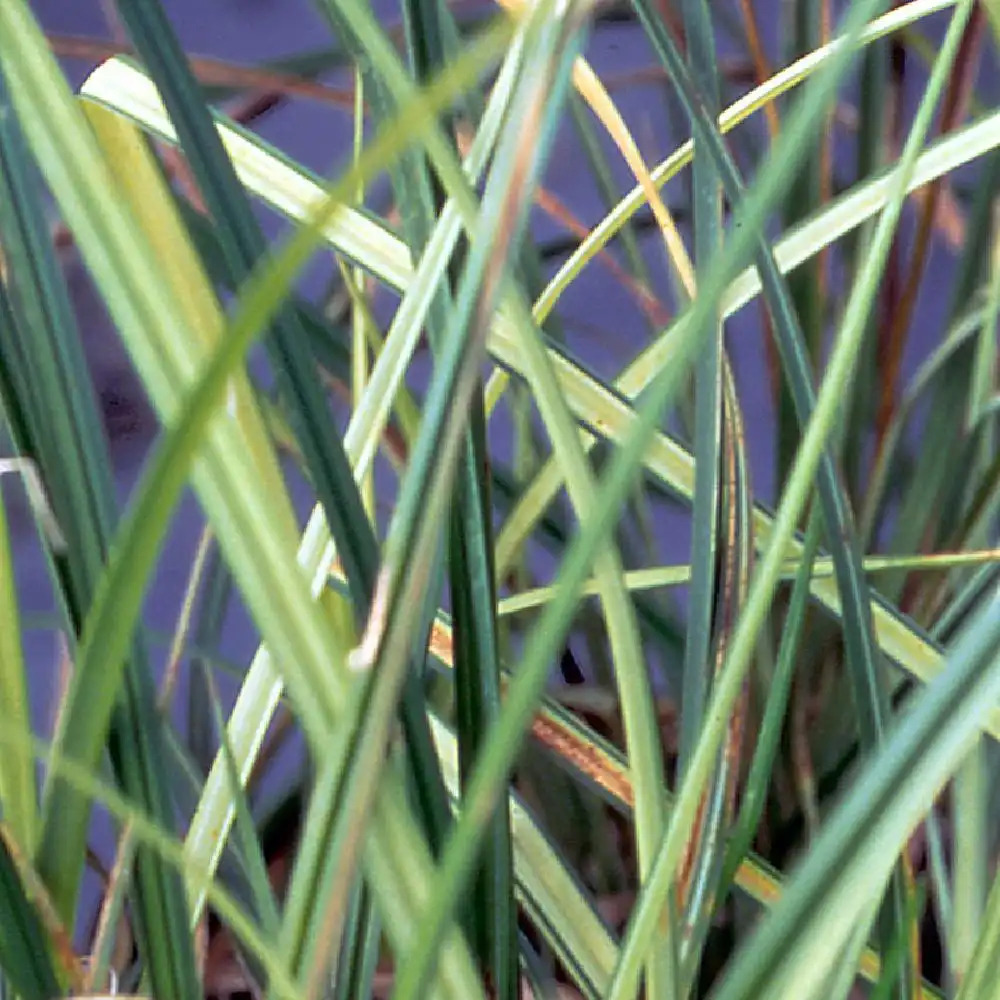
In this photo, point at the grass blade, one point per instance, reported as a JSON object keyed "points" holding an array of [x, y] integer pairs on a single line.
{"points": [[18, 794]]}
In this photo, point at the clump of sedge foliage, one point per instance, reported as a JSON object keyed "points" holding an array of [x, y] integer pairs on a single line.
{"points": [[643, 637]]}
